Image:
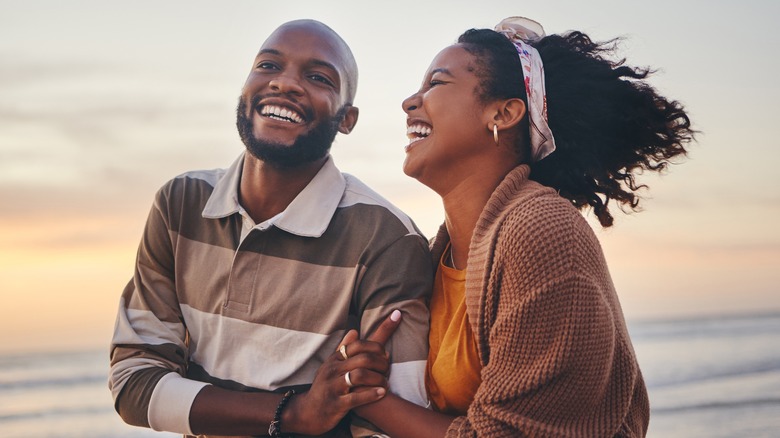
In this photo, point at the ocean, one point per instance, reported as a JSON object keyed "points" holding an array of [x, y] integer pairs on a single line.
{"points": [[707, 377]]}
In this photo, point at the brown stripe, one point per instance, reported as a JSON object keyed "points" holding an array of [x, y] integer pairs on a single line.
{"points": [[295, 295], [409, 342], [348, 241], [162, 302], [170, 354], [196, 372], [183, 199], [132, 404], [202, 274], [402, 273]]}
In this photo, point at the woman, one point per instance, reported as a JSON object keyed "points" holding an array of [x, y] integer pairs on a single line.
{"points": [[517, 132]]}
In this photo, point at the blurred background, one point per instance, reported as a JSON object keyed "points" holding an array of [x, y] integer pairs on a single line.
{"points": [[101, 102]]}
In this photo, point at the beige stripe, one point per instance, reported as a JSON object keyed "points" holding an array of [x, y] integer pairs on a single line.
{"points": [[256, 355], [140, 340], [135, 326], [407, 380]]}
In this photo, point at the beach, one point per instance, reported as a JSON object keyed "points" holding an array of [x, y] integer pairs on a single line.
{"points": [[707, 377]]}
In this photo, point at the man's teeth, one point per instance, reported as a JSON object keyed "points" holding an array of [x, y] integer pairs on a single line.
{"points": [[417, 132], [279, 113]]}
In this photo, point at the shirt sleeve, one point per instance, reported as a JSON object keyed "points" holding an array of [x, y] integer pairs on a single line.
{"points": [[148, 348], [401, 278]]}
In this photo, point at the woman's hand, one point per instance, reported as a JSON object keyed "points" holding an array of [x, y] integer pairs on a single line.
{"points": [[332, 395]]}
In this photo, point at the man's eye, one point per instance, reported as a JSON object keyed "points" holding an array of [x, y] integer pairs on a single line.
{"points": [[434, 83], [266, 65], [321, 78]]}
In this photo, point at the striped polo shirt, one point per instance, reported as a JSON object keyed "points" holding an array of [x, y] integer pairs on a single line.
{"points": [[216, 299]]}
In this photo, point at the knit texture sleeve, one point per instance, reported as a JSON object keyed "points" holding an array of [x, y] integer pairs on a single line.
{"points": [[556, 365]]}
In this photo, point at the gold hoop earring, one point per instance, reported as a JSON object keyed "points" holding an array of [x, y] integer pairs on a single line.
{"points": [[495, 133]]}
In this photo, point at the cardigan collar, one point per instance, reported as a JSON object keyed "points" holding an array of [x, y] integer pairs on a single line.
{"points": [[481, 250]]}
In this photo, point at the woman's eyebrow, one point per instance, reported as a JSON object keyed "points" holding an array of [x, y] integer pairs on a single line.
{"points": [[442, 70]]}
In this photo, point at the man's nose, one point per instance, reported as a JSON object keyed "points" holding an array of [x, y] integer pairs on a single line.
{"points": [[286, 83]]}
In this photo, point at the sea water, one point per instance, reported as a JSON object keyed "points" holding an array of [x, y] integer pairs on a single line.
{"points": [[707, 377], [711, 377]]}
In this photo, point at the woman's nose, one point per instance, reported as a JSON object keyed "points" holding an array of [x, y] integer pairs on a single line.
{"points": [[411, 103]]}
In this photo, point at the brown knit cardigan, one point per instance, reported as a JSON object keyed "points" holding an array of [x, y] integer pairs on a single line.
{"points": [[557, 360]]}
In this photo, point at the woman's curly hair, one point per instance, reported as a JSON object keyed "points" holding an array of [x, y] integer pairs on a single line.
{"points": [[609, 124]]}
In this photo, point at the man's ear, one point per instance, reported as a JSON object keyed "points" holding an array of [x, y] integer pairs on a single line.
{"points": [[350, 119], [506, 113]]}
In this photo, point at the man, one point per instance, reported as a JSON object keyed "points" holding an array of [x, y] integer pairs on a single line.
{"points": [[247, 278]]}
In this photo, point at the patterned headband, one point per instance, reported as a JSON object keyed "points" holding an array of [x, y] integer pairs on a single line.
{"points": [[522, 31]]}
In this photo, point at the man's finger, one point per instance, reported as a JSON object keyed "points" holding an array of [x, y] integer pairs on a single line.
{"points": [[387, 328], [350, 337]]}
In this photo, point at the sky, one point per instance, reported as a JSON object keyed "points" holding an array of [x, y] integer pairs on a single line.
{"points": [[101, 102]]}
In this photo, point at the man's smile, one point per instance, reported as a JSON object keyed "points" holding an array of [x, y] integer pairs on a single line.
{"points": [[282, 114]]}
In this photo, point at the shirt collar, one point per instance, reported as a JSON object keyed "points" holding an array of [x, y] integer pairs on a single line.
{"points": [[308, 215]]}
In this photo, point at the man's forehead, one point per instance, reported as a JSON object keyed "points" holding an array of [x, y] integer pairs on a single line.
{"points": [[318, 39]]}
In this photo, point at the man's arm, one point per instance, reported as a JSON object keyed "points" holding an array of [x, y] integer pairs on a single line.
{"points": [[148, 349], [401, 278], [314, 412]]}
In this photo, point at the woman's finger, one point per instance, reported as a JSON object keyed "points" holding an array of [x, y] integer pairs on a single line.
{"points": [[361, 396], [386, 329]]}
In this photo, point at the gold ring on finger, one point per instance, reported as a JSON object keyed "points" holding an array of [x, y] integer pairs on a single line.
{"points": [[343, 351], [349, 381]]}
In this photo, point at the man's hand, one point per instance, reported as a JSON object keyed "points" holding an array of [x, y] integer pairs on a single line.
{"points": [[331, 397]]}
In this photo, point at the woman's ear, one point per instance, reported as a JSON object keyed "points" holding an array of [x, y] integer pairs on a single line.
{"points": [[506, 114]]}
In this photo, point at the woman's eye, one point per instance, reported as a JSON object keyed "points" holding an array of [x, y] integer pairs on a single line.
{"points": [[434, 83]]}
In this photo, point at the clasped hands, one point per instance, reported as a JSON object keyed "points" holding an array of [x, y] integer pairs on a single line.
{"points": [[353, 375]]}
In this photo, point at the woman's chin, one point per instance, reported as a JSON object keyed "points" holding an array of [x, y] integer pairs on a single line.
{"points": [[413, 169]]}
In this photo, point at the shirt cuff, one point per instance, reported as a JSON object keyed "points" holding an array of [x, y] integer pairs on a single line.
{"points": [[169, 407], [407, 380]]}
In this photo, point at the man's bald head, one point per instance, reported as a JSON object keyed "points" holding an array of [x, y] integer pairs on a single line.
{"points": [[343, 54]]}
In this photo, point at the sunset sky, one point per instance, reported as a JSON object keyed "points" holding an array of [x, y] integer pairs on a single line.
{"points": [[101, 102]]}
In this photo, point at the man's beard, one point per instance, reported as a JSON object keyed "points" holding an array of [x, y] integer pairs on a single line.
{"points": [[308, 147]]}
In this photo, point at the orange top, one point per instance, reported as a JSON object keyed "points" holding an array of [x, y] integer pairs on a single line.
{"points": [[452, 375]]}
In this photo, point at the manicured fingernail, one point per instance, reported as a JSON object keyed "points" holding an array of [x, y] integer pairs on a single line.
{"points": [[381, 392], [395, 316]]}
